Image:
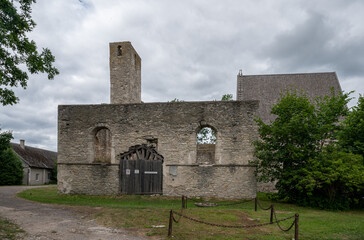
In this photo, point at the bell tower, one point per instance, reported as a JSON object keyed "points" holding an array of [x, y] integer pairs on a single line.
{"points": [[125, 74]]}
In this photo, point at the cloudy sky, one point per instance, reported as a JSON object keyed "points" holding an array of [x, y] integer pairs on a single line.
{"points": [[190, 50]]}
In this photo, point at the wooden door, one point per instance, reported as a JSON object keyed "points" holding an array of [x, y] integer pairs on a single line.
{"points": [[141, 171]]}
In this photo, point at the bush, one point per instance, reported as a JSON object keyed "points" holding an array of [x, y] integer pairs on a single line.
{"points": [[11, 168], [332, 180]]}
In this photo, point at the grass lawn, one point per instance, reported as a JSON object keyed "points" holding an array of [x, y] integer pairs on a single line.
{"points": [[141, 213], [9, 230]]}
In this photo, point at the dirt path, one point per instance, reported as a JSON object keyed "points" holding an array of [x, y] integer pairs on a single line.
{"points": [[45, 221]]}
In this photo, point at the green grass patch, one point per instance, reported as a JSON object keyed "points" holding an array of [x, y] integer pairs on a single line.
{"points": [[144, 213], [10, 231]]}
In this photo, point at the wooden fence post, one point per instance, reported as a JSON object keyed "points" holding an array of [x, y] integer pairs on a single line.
{"points": [[256, 202], [296, 219], [183, 201], [271, 213], [170, 223]]}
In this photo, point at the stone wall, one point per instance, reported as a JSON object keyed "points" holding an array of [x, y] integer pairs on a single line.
{"points": [[172, 128], [90, 179], [222, 181]]}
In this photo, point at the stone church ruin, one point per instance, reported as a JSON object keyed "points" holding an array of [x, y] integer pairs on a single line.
{"points": [[130, 147]]}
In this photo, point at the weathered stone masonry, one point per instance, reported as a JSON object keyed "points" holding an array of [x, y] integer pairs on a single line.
{"points": [[172, 129]]}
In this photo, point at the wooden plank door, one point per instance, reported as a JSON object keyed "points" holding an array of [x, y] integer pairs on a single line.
{"points": [[143, 175]]}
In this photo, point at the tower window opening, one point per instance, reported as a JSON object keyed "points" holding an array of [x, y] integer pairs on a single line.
{"points": [[135, 62], [120, 51]]}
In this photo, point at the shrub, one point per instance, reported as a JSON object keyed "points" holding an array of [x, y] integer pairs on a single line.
{"points": [[332, 180], [11, 168]]}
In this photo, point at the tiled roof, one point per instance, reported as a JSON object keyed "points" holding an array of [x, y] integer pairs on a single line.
{"points": [[35, 157], [267, 88]]}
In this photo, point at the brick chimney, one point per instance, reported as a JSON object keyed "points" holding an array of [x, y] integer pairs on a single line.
{"points": [[22, 143]]}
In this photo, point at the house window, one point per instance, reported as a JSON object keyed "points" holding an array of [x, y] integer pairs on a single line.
{"points": [[206, 141], [102, 145], [37, 177]]}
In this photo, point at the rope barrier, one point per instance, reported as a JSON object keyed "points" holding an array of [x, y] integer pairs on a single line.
{"points": [[271, 207], [284, 230], [230, 226], [219, 204], [180, 216], [262, 207]]}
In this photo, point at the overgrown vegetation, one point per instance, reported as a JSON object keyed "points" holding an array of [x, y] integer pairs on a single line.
{"points": [[11, 169], [227, 97], [149, 214], [10, 231], [310, 155], [176, 100]]}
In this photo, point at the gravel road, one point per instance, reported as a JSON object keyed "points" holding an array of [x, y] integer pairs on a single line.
{"points": [[45, 221]]}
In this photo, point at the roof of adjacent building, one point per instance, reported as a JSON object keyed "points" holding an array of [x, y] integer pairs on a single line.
{"points": [[35, 157], [268, 88]]}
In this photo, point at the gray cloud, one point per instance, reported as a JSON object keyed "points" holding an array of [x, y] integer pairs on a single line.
{"points": [[190, 50], [314, 45]]}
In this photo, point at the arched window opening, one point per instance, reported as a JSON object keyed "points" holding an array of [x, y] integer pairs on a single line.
{"points": [[206, 141], [102, 145], [206, 135]]}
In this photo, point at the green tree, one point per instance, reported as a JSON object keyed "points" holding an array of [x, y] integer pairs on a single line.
{"points": [[5, 138], [227, 97], [206, 135], [351, 137], [11, 169], [299, 133], [17, 49]]}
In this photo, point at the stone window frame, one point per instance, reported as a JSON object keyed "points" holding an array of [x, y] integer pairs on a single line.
{"points": [[216, 144], [93, 133]]}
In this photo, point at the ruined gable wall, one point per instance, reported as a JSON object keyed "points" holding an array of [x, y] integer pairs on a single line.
{"points": [[174, 125]]}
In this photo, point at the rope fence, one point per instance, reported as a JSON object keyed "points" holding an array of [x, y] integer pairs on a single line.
{"points": [[209, 204], [273, 217]]}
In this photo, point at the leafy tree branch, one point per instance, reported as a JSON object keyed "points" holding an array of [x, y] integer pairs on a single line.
{"points": [[17, 51]]}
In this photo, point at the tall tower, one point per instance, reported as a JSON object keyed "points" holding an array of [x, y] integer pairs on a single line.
{"points": [[125, 74]]}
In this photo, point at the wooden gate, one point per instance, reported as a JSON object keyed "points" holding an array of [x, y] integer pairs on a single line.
{"points": [[141, 171]]}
